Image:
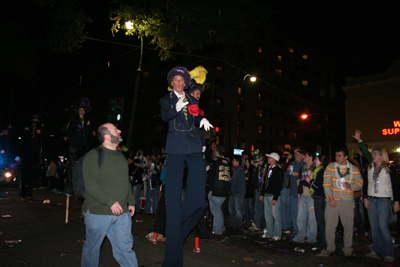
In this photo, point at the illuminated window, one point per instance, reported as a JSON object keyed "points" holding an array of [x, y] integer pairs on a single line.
{"points": [[239, 90], [278, 71], [259, 112], [219, 68], [290, 49], [304, 82], [260, 128], [261, 96], [217, 140], [304, 56], [145, 74], [293, 135], [260, 49], [279, 58], [280, 148]]}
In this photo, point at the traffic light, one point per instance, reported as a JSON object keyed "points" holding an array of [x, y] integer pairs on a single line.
{"points": [[116, 109], [215, 130]]}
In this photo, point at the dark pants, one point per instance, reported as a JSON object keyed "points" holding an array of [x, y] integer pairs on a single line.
{"points": [[29, 174], [160, 221], [319, 207], [75, 152], [182, 218], [358, 220]]}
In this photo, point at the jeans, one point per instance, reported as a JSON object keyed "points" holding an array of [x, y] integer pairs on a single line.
{"points": [[285, 208], [248, 209], [258, 210], [216, 209], [236, 209], [306, 222], [137, 188], [293, 213], [151, 196], [319, 207], [272, 215], [118, 229], [379, 214]]}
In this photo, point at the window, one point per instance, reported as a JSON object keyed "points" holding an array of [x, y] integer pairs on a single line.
{"points": [[279, 58], [291, 50], [260, 49], [239, 90], [281, 116], [280, 148], [304, 56], [261, 96], [261, 63], [145, 74], [219, 102], [304, 82], [280, 132], [219, 68], [278, 71], [260, 128], [260, 112], [293, 135], [217, 140]]}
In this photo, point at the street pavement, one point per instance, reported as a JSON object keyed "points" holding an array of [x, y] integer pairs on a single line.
{"points": [[43, 238]]}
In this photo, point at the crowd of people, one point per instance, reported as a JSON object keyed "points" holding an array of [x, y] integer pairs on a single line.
{"points": [[292, 192]]}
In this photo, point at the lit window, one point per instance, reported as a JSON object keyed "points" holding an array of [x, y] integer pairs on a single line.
{"points": [[293, 135], [259, 112], [260, 49], [291, 50], [217, 140], [145, 74], [239, 90], [304, 82], [278, 71], [259, 128], [218, 101], [279, 58], [304, 56], [219, 68]]}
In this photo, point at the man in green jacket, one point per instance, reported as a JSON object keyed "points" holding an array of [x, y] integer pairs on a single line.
{"points": [[109, 203]]}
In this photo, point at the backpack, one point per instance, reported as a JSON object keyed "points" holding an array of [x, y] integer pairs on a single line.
{"points": [[77, 173]]}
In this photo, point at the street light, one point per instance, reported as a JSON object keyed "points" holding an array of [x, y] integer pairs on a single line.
{"points": [[305, 116], [252, 79], [129, 26]]}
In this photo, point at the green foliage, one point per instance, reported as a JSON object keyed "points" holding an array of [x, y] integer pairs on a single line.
{"points": [[66, 24], [190, 24]]}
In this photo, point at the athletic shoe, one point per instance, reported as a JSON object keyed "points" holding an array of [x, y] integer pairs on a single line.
{"points": [[373, 255]]}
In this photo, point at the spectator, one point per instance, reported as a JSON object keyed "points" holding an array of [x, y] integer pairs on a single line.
{"points": [[293, 172], [341, 179], [109, 203], [381, 186], [306, 222], [248, 201], [260, 169], [152, 174], [219, 185], [285, 193], [137, 176], [321, 162], [238, 190], [270, 195]]}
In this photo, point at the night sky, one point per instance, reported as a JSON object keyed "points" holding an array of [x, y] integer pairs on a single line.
{"points": [[360, 37]]}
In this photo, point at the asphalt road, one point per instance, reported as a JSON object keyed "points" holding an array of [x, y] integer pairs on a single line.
{"points": [[44, 239]]}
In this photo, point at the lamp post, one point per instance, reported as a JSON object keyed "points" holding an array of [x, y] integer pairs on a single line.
{"points": [[252, 79], [328, 141], [129, 26]]}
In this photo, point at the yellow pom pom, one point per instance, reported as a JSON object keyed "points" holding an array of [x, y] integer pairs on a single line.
{"points": [[199, 74], [169, 88]]}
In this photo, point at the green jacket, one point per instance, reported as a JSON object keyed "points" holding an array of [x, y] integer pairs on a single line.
{"points": [[108, 184]]}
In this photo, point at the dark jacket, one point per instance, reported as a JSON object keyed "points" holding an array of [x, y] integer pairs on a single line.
{"points": [[77, 133], [183, 137], [238, 181], [273, 182], [318, 184], [219, 177]]}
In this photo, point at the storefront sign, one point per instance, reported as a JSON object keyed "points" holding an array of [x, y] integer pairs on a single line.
{"points": [[392, 131]]}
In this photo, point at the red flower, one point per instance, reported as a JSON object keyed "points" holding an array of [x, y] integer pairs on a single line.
{"points": [[202, 112], [194, 110]]}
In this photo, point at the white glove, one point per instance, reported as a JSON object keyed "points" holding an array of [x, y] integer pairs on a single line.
{"points": [[203, 149], [180, 104], [207, 125]]}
